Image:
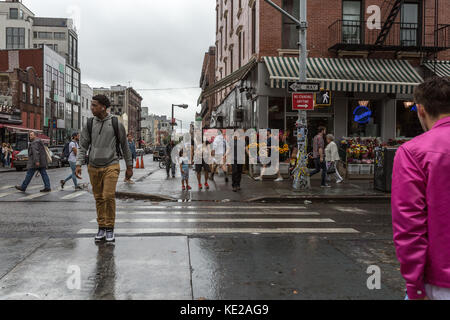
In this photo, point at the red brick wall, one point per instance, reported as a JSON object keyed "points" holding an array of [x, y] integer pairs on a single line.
{"points": [[321, 14]]}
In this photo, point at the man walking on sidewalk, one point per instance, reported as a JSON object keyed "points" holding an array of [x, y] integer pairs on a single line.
{"points": [[170, 165], [319, 156], [73, 147], [106, 139], [132, 146], [37, 161], [420, 201]]}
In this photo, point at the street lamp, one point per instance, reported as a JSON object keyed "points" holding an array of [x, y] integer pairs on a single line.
{"points": [[184, 106]]}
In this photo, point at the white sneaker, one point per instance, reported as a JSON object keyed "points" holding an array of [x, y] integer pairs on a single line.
{"points": [[279, 179], [258, 178], [339, 181]]}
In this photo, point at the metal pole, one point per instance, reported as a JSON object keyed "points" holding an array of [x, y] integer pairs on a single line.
{"points": [[302, 178], [171, 120], [52, 111]]}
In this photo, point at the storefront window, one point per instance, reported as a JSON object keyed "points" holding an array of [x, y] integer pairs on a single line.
{"points": [[364, 118], [408, 124], [276, 113]]}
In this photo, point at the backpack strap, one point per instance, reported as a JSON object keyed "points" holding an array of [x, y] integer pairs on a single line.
{"points": [[90, 123], [115, 124]]}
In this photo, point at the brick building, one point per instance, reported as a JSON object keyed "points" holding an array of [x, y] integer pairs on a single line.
{"points": [[21, 104], [257, 53], [126, 104], [207, 79]]}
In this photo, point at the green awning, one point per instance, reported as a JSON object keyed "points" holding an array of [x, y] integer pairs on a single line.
{"points": [[439, 68], [348, 75]]}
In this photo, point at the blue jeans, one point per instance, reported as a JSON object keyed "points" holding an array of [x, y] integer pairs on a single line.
{"points": [[30, 175], [73, 166], [7, 161], [320, 166]]}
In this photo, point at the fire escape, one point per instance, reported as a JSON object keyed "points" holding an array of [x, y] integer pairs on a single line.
{"points": [[422, 35]]}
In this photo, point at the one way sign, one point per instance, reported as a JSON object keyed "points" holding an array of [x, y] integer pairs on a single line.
{"points": [[295, 86]]}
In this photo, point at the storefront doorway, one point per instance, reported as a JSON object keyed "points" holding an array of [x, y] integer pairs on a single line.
{"points": [[314, 122]]}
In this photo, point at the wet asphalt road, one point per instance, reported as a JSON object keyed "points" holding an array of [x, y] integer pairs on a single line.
{"points": [[205, 250]]}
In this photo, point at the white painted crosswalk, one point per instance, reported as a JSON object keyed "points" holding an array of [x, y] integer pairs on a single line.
{"points": [[239, 219], [9, 193]]}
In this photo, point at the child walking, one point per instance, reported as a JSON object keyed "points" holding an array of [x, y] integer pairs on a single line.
{"points": [[184, 169]]}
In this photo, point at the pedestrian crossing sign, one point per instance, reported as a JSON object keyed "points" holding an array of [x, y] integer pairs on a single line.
{"points": [[322, 98]]}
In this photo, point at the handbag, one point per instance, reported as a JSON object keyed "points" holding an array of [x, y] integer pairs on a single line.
{"points": [[49, 156], [331, 168]]}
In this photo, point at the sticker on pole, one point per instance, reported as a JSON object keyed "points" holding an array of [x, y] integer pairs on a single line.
{"points": [[302, 101]]}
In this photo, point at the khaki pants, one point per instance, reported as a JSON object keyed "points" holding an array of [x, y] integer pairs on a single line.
{"points": [[104, 182]]}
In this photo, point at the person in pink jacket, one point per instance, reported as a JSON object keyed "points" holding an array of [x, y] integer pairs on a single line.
{"points": [[421, 197]]}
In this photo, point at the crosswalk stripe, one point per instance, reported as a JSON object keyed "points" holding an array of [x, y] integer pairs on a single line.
{"points": [[35, 196], [222, 220], [74, 195], [210, 207], [2, 195], [6, 187], [193, 231], [182, 213]]}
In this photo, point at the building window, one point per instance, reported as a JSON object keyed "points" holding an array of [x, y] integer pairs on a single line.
{"points": [[226, 32], [38, 96], [409, 24], [61, 84], [59, 36], [31, 95], [240, 50], [408, 124], [15, 38], [243, 45], [14, 13], [364, 118], [276, 113], [290, 34], [254, 28], [231, 14], [61, 111], [35, 35], [45, 35], [24, 92], [351, 25], [231, 61]]}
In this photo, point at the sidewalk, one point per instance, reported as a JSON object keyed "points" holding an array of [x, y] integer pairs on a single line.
{"points": [[4, 170], [152, 184]]}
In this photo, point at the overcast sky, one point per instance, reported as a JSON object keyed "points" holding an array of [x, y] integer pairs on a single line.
{"points": [[154, 44]]}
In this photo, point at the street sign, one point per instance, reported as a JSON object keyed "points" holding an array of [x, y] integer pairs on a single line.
{"points": [[295, 86], [302, 101]]}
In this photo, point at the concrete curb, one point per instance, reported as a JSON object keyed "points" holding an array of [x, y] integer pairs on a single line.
{"points": [[319, 198], [143, 196], [8, 171]]}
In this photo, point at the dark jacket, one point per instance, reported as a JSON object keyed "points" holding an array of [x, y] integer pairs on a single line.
{"points": [[132, 146], [36, 153]]}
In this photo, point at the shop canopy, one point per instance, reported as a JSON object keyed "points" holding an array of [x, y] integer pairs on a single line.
{"points": [[18, 128], [439, 68], [349, 75], [232, 78]]}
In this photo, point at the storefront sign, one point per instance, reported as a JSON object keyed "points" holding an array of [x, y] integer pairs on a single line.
{"points": [[362, 114], [302, 101]]}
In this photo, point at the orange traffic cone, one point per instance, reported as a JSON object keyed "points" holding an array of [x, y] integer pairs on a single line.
{"points": [[142, 162], [137, 163]]}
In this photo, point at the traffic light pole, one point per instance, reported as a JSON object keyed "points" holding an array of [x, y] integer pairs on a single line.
{"points": [[301, 173]]}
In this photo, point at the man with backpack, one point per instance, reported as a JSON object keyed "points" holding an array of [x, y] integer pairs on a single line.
{"points": [[71, 154], [37, 161], [106, 140]]}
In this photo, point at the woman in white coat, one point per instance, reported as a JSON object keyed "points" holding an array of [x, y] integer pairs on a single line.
{"points": [[332, 157]]}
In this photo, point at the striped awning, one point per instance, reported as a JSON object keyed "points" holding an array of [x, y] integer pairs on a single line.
{"points": [[348, 75], [440, 68], [229, 80]]}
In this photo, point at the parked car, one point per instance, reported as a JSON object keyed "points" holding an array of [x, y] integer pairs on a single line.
{"points": [[148, 150], [22, 159], [159, 153], [58, 150]]}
